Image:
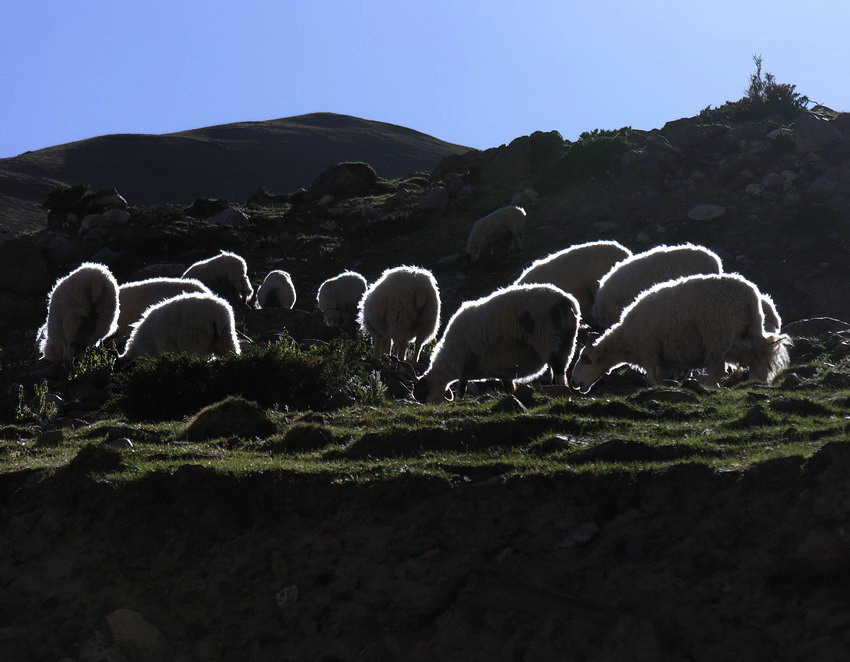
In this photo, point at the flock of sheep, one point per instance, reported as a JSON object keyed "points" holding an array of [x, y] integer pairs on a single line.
{"points": [[666, 312]]}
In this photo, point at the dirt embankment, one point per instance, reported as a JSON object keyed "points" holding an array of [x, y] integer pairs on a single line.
{"points": [[686, 564]]}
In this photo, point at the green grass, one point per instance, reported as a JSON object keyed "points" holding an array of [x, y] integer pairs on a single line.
{"points": [[469, 442]]}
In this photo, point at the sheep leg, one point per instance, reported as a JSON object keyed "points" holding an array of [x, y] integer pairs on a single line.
{"points": [[508, 385], [558, 364], [716, 371], [461, 387]]}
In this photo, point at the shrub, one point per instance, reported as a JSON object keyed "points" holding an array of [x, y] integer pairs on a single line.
{"points": [[596, 154], [764, 98], [67, 199], [277, 375]]}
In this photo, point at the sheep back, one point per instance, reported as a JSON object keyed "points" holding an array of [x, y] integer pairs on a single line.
{"points": [[339, 296], [631, 276], [200, 324], [505, 224], [82, 310], [226, 274], [577, 269], [137, 296], [277, 291]]}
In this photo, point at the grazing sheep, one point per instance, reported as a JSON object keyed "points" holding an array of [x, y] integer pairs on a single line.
{"points": [[338, 298], [136, 296], [512, 334], [577, 270], [200, 324], [226, 274], [82, 310], [277, 291], [402, 306], [505, 224], [692, 322], [772, 320], [629, 277]]}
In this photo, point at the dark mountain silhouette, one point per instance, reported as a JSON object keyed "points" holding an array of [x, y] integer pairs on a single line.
{"points": [[230, 160]]}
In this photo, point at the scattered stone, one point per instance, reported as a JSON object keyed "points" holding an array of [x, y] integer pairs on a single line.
{"points": [[812, 133], [120, 444], [287, 596], [203, 208], [342, 180], [581, 535], [434, 199], [49, 439], [450, 259], [325, 200], [822, 189], [108, 198], [754, 190], [510, 404], [525, 394], [230, 217], [772, 180], [706, 212], [138, 640]]}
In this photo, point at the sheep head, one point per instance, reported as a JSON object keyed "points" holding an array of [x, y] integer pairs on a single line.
{"points": [[590, 366]]}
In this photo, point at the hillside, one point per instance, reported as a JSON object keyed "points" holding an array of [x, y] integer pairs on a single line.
{"points": [[229, 161], [146, 514]]}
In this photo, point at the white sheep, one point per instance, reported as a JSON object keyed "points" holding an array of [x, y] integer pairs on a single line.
{"points": [[772, 320], [401, 307], [577, 270], [82, 310], [277, 291], [688, 323], [629, 277], [226, 274], [338, 297], [137, 296], [512, 334], [505, 224], [200, 324]]}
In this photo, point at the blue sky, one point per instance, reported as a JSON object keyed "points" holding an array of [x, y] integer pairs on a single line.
{"points": [[476, 73]]}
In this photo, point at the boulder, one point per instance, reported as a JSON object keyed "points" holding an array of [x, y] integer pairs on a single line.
{"points": [[231, 217], [547, 147], [107, 198], [343, 180], [510, 163], [137, 639], [812, 133], [436, 198], [684, 133], [205, 207], [706, 212], [263, 198]]}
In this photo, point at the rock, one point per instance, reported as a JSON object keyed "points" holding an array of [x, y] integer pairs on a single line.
{"points": [[138, 640], [815, 326], [772, 180], [782, 133], [343, 180], [325, 200], [642, 238], [582, 535], [23, 269], [450, 259], [49, 439], [108, 198], [107, 256], [684, 133], [812, 133], [510, 163], [120, 444], [525, 394], [530, 193], [644, 166], [203, 208], [547, 147], [754, 190], [62, 249], [436, 198], [263, 198], [231, 217], [509, 405], [706, 212]]}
